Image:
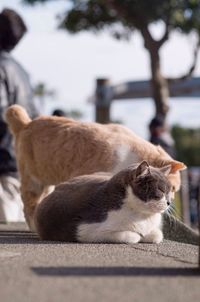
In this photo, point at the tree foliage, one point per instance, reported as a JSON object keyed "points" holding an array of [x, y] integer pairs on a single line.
{"points": [[187, 143], [121, 18], [98, 14]]}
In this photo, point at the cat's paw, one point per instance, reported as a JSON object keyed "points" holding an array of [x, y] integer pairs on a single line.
{"points": [[129, 237], [156, 236]]}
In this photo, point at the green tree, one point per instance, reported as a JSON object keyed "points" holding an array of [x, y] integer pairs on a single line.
{"points": [[121, 18], [187, 142]]}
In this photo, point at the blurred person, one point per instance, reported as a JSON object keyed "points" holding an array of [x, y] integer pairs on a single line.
{"points": [[15, 88], [160, 135], [59, 112]]}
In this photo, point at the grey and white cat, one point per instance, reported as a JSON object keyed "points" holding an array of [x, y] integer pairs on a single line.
{"points": [[124, 208]]}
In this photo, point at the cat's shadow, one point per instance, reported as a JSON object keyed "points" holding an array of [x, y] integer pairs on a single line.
{"points": [[119, 271]]}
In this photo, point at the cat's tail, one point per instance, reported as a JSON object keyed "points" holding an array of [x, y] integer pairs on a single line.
{"points": [[17, 118]]}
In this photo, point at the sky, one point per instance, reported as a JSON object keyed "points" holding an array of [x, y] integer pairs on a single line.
{"points": [[70, 64]]}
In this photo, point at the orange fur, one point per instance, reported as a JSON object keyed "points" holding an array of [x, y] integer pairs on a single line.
{"points": [[51, 150]]}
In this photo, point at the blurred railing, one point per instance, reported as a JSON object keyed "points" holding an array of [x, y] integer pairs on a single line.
{"points": [[105, 93]]}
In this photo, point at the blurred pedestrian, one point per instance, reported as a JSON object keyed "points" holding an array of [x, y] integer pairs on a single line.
{"points": [[59, 112], [14, 89], [160, 135]]}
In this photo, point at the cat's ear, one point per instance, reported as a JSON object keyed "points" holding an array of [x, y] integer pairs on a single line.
{"points": [[166, 170], [142, 169], [177, 166]]}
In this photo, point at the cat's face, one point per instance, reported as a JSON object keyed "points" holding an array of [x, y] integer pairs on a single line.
{"points": [[152, 188]]}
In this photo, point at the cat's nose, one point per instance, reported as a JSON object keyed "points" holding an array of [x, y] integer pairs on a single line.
{"points": [[168, 202]]}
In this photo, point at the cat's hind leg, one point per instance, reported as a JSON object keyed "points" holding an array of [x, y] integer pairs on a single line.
{"points": [[155, 236], [32, 192]]}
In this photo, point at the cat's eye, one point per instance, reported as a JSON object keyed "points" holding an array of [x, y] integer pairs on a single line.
{"points": [[161, 188]]}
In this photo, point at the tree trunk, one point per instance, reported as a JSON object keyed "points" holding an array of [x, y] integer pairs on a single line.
{"points": [[160, 88]]}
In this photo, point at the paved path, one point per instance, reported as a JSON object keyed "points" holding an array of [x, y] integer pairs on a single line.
{"points": [[31, 270]]}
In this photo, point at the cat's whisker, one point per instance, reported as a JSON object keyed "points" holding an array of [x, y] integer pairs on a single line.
{"points": [[173, 206], [173, 211], [169, 216], [170, 212]]}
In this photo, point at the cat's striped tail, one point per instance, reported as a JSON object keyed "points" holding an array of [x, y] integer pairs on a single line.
{"points": [[17, 118]]}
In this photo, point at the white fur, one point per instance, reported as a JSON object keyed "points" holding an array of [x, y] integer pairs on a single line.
{"points": [[125, 158], [135, 221], [31, 224]]}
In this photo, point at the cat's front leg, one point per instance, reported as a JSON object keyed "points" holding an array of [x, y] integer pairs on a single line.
{"points": [[155, 236], [124, 237]]}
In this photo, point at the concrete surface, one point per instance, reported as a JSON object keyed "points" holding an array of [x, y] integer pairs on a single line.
{"points": [[32, 270]]}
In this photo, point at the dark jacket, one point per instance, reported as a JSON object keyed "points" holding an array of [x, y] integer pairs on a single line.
{"points": [[14, 89], [166, 144]]}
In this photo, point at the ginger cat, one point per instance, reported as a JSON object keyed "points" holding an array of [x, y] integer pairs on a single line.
{"points": [[51, 150]]}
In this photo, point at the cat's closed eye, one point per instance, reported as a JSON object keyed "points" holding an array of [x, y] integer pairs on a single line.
{"points": [[162, 189], [158, 194]]}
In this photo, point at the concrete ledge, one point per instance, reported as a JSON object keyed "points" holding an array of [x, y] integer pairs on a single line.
{"points": [[32, 270]]}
